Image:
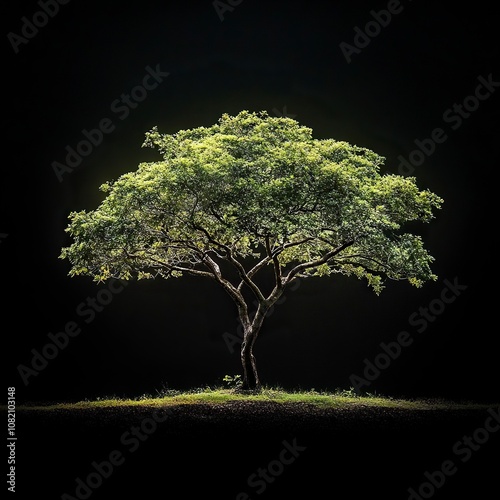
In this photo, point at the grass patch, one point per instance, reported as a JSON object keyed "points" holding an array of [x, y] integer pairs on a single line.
{"points": [[219, 395]]}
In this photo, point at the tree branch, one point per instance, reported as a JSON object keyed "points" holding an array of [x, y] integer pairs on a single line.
{"points": [[175, 267], [284, 246], [368, 269], [239, 267], [275, 252], [315, 263], [276, 262], [255, 269], [214, 274]]}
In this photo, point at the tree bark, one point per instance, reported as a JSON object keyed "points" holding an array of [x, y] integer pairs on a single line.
{"points": [[251, 379]]}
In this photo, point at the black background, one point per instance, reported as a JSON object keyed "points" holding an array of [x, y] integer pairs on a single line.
{"points": [[263, 56]]}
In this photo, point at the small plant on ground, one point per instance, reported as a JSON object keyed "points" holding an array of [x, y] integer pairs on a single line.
{"points": [[232, 382]]}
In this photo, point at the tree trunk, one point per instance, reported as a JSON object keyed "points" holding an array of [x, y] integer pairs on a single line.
{"points": [[250, 375], [251, 379]]}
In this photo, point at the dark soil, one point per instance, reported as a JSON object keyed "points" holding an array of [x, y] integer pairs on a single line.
{"points": [[211, 451]]}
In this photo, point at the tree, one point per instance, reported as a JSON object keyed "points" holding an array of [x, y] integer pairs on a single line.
{"points": [[251, 194]]}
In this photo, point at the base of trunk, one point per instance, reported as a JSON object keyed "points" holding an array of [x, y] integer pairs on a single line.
{"points": [[248, 387], [250, 380]]}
